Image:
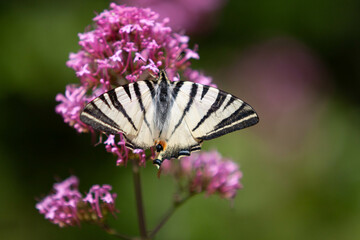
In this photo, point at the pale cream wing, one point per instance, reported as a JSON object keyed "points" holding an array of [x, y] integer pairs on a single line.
{"points": [[123, 109], [211, 113]]}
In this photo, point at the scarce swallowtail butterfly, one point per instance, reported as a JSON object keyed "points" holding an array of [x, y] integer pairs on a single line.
{"points": [[174, 117]]}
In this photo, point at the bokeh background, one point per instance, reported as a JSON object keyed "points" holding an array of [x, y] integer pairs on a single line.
{"points": [[296, 62]]}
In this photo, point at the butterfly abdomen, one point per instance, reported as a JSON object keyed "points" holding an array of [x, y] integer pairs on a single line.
{"points": [[163, 103]]}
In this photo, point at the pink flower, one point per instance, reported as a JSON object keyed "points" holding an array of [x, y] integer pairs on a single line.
{"points": [[66, 206], [206, 172], [101, 195], [118, 149], [125, 44], [61, 207], [196, 76], [71, 105], [192, 16], [142, 156]]}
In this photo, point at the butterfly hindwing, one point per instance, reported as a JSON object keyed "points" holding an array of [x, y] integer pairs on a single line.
{"points": [[180, 141]]}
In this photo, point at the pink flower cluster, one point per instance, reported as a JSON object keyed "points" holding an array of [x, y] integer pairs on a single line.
{"points": [[121, 152], [67, 207], [127, 44], [206, 172], [192, 16]]}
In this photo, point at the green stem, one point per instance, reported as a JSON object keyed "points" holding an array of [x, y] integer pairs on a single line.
{"points": [[139, 202], [168, 214], [113, 232]]}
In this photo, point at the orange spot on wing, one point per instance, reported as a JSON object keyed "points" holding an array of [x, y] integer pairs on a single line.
{"points": [[162, 143]]}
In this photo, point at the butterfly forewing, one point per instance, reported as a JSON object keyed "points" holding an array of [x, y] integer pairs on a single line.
{"points": [[121, 109], [214, 113]]}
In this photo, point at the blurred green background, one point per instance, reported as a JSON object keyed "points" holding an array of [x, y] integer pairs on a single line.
{"points": [[296, 62]]}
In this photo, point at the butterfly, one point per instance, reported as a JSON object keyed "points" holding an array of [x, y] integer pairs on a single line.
{"points": [[174, 117]]}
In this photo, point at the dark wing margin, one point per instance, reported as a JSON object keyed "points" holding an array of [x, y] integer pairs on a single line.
{"points": [[243, 117], [183, 152], [95, 118]]}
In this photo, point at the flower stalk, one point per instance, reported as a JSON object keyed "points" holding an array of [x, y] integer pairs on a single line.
{"points": [[139, 201], [114, 233], [176, 204]]}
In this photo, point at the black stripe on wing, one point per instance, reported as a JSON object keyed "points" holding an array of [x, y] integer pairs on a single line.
{"points": [[114, 100], [231, 100], [183, 153], [131, 145], [151, 88], [192, 95], [177, 152], [195, 148], [102, 98], [127, 90], [204, 91], [243, 117], [95, 118], [139, 98], [214, 107], [176, 89]]}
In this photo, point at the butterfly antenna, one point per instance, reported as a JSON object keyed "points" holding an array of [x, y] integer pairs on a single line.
{"points": [[153, 75], [100, 140]]}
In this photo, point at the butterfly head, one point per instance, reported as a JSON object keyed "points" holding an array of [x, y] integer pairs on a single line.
{"points": [[162, 76]]}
